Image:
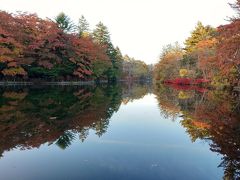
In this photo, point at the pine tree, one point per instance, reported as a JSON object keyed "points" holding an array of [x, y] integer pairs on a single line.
{"points": [[101, 36], [83, 27], [64, 22], [119, 61]]}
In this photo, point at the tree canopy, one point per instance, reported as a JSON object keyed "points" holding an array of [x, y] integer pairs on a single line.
{"points": [[210, 55]]}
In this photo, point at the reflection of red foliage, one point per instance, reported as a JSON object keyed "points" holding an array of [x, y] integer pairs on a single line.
{"points": [[180, 87], [186, 81]]}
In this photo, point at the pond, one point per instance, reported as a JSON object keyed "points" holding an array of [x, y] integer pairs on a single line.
{"points": [[128, 131]]}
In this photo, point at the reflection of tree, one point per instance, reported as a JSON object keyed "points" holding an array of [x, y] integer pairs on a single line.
{"points": [[65, 139], [31, 117], [103, 103], [231, 168], [167, 101], [133, 91], [212, 116]]}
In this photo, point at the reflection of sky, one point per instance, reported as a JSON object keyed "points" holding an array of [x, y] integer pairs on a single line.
{"points": [[139, 144]]}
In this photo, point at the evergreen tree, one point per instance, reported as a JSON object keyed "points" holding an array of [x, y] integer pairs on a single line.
{"points": [[64, 22], [83, 27], [119, 61], [101, 36], [119, 54]]}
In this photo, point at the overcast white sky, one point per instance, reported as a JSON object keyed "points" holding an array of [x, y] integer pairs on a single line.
{"points": [[139, 27]]}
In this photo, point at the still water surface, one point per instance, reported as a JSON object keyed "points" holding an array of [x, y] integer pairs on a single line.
{"points": [[118, 132]]}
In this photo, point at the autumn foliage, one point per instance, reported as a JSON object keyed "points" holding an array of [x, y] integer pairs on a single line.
{"points": [[208, 115], [31, 47], [210, 54], [186, 81], [228, 49]]}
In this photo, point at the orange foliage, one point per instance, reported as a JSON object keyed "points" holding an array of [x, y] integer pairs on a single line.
{"points": [[201, 124], [206, 56]]}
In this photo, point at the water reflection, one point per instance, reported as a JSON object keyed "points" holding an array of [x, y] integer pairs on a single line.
{"points": [[209, 115], [32, 116], [63, 117]]}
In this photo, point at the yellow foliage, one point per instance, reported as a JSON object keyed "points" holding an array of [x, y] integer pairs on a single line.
{"points": [[183, 72], [183, 95], [15, 95], [85, 34], [14, 71]]}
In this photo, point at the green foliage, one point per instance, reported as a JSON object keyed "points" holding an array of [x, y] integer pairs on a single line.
{"points": [[65, 140], [64, 22], [101, 36], [55, 72], [118, 65], [83, 26], [100, 69], [188, 61]]}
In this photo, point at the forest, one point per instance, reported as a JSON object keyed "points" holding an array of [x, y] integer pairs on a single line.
{"points": [[211, 56], [32, 48]]}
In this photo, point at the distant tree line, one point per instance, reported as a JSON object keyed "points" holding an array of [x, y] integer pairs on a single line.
{"points": [[136, 69]]}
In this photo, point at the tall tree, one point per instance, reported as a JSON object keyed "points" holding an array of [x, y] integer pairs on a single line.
{"points": [[83, 27], [119, 61], [101, 36], [64, 22], [200, 33]]}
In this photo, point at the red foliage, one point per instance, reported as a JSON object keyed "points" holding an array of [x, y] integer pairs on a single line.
{"points": [[186, 81], [187, 87], [83, 52], [228, 50], [27, 40], [10, 53]]}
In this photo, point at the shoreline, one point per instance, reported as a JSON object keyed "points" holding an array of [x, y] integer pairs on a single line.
{"points": [[62, 83], [30, 83]]}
